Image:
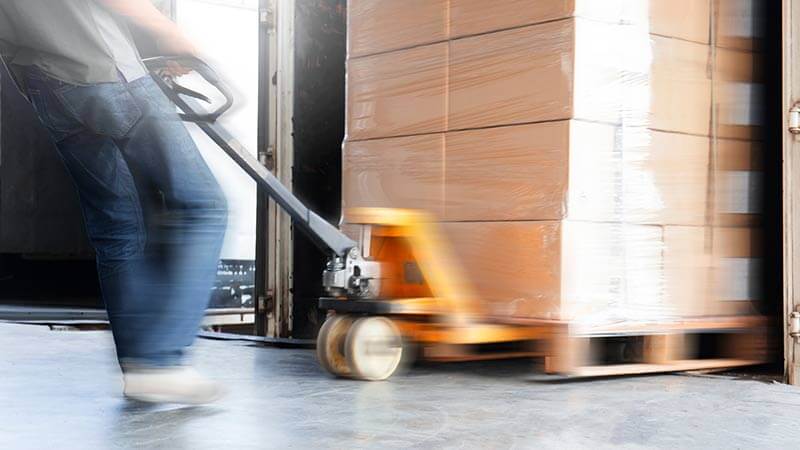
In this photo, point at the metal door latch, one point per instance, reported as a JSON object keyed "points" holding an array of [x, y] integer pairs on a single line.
{"points": [[794, 119], [267, 18], [264, 304], [794, 325]]}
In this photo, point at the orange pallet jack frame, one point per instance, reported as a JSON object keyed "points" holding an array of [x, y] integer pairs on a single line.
{"points": [[422, 298]]}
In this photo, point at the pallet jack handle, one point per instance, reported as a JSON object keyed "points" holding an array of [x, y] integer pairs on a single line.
{"points": [[325, 236], [159, 64]]}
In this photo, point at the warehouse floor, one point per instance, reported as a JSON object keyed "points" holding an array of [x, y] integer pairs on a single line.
{"points": [[60, 389]]}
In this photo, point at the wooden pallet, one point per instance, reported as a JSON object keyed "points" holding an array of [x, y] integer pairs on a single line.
{"points": [[713, 343], [620, 349]]}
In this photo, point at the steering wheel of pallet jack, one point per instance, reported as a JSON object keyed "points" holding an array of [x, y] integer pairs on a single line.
{"points": [[330, 345], [374, 348]]}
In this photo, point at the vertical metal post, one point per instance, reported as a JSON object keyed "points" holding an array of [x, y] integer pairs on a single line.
{"points": [[264, 300]]}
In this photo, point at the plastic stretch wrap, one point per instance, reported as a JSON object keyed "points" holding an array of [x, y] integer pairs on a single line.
{"points": [[378, 26], [589, 160]]}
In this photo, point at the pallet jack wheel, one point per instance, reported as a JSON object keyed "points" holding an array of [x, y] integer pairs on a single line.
{"points": [[330, 345], [374, 348]]}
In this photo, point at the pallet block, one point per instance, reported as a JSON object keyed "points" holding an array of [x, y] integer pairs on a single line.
{"points": [[697, 345]]}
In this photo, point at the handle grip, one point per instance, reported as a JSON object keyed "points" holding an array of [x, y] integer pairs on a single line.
{"points": [[172, 89]]}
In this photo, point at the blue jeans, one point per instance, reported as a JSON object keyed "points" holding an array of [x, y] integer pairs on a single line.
{"points": [[154, 213]]}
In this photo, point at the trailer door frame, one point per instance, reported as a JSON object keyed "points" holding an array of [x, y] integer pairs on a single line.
{"points": [[274, 239], [791, 185]]}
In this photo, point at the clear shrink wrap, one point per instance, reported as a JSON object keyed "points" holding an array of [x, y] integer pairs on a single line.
{"points": [[378, 26], [736, 269], [739, 24], [738, 94], [595, 161], [568, 69], [404, 172], [738, 180], [599, 273], [543, 171], [397, 94]]}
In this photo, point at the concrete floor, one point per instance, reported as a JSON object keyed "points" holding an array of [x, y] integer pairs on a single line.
{"points": [[60, 389]]}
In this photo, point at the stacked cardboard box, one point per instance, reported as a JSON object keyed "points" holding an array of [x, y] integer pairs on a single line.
{"points": [[737, 168], [586, 161]]}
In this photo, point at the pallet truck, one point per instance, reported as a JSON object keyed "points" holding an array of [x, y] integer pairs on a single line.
{"points": [[395, 287]]}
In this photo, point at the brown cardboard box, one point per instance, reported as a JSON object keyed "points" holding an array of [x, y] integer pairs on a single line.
{"points": [[613, 272], [572, 69], [577, 170], [683, 19], [737, 266], [595, 273], [570, 161], [545, 171], [376, 26], [687, 269], [470, 17], [562, 270], [680, 86], [637, 175], [554, 71], [507, 173], [738, 180], [712, 271], [514, 266], [402, 172], [738, 94], [511, 77], [739, 23], [397, 94]]}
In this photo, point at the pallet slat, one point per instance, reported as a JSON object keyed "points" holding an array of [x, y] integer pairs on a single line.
{"points": [[673, 366], [691, 349]]}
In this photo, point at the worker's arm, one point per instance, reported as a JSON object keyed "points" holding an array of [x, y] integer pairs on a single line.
{"points": [[145, 16]]}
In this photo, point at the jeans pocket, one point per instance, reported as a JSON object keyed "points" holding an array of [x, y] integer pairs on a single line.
{"points": [[59, 122], [107, 109]]}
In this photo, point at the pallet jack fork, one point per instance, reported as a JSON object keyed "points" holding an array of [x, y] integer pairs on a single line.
{"points": [[398, 286]]}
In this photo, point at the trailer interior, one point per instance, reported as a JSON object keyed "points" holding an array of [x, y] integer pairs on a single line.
{"points": [[264, 316]]}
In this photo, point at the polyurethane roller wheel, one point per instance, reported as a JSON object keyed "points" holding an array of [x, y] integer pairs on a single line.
{"points": [[330, 345], [374, 348]]}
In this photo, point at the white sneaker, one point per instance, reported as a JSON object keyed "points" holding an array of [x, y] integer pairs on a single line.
{"points": [[170, 385]]}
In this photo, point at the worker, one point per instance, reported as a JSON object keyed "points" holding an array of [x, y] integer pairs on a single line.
{"points": [[153, 211]]}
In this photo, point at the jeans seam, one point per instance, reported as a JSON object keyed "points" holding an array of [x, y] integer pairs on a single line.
{"points": [[134, 118], [141, 230], [46, 116], [58, 94], [141, 235], [127, 125]]}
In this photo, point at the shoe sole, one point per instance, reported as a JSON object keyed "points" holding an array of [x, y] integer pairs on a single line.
{"points": [[165, 398]]}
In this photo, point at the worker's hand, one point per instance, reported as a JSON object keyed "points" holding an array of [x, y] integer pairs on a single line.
{"points": [[172, 42], [175, 70]]}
